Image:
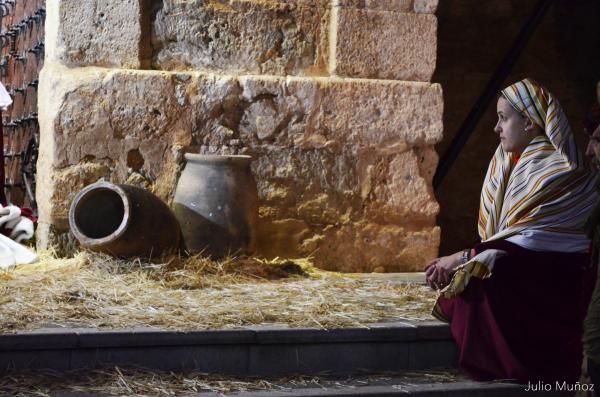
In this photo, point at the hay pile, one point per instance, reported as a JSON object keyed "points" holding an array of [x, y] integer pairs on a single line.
{"points": [[92, 290], [135, 382]]}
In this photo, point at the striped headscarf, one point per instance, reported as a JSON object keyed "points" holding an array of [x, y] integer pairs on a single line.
{"points": [[541, 202]]}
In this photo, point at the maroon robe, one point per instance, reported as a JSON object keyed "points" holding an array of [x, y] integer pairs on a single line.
{"points": [[525, 322]]}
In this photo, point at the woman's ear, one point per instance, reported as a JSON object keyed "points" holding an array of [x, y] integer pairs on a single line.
{"points": [[529, 125]]}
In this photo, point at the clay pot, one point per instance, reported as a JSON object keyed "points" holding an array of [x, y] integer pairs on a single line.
{"points": [[216, 204], [124, 221]]}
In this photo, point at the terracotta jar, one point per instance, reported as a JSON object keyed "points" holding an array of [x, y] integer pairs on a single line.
{"points": [[124, 221], [216, 204]]}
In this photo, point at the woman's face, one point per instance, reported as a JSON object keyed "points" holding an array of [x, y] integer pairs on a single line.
{"points": [[511, 128]]}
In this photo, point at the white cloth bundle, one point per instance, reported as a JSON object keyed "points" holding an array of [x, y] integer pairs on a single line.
{"points": [[5, 99], [12, 253]]}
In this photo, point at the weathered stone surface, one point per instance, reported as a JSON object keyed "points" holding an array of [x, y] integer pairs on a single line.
{"points": [[335, 160], [381, 207], [49, 236], [388, 5], [418, 6], [228, 4], [95, 32], [242, 37], [426, 6], [309, 3], [324, 113], [352, 247], [282, 238], [68, 181], [397, 46], [382, 113], [131, 112], [272, 112], [322, 187], [427, 158], [53, 93], [367, 247], [394, 189], [96, 116], [317, 186]]}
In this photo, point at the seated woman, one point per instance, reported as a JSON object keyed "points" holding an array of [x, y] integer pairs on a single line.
{"points": [[517, 300]]}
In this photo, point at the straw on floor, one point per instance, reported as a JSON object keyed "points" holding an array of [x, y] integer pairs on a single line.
{"points": [[137, 382], [98, 291]]}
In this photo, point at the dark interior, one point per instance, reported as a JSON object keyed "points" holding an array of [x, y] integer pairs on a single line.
{"points": [[99, 213], [473, 38]]}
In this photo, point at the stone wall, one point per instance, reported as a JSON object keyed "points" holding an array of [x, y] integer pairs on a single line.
{"points": [[332, 99]]}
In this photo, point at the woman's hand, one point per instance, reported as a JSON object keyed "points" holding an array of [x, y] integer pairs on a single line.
{"points": [[439, 271]]}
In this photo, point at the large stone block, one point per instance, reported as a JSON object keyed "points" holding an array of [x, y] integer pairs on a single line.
{"points": [[95, 32], [308, 3], [134, 118], [370, 247], [418, 6], [397, 189], [321, 113], [426, 6], [70, 180], [322, 187], [317, 186], [397, 46], [130, 118], [323, 172], [54, 91], [387, 114], [319, 203], [52, 236], [242, 37], [388, 5], [126, 122]]}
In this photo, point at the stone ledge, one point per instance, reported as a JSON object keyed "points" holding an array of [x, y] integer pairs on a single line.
{"points": [[251, 352], [83, 338], [433, 330]]}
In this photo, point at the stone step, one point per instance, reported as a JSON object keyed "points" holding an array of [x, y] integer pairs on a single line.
{"points": [[453, 389], [251, 351]]}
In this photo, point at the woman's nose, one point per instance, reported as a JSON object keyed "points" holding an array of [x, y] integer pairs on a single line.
{"points": [[497, 128]]}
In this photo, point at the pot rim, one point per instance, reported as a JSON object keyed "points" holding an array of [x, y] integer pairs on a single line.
{"points": [[217, 158], [90, 242]]}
